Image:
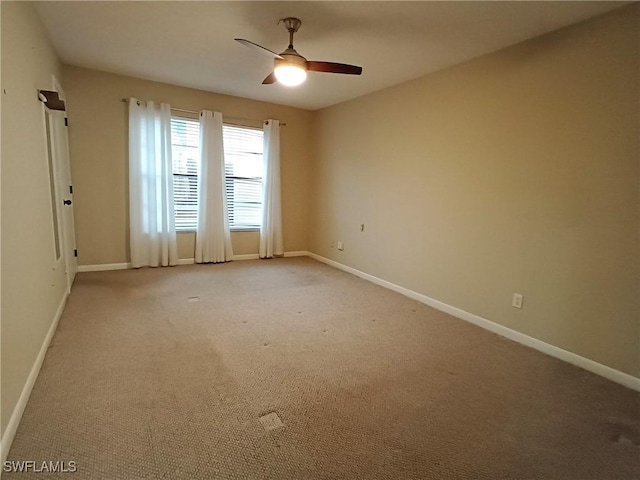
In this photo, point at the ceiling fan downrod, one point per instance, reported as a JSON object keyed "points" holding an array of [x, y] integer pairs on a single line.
{"points": [[292, 25]]}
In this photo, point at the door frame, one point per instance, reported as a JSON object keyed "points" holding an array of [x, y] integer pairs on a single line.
{"points": [[59, 149]]}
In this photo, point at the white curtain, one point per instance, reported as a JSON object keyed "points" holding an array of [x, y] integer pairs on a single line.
{"points": [[213, 237], [271, 230], [152, 224]]}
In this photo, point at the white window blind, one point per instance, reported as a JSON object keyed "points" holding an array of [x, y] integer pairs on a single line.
{"points": [[243, 170], [185, 144]]}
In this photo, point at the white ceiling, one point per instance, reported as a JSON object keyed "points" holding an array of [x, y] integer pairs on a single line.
{"points": [[191, 43]]}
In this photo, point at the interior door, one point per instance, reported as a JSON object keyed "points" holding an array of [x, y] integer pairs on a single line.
{"points": [[59, 148]]}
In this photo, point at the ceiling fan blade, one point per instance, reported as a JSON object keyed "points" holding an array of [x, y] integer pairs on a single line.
{"points": [[271, 78], [259, 48], [330, 67]]}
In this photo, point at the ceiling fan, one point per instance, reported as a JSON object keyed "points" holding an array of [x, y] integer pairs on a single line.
{"points": [[290, 68]]}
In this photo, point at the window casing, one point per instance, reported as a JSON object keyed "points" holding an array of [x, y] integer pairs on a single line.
{"points": [[243, 174]]}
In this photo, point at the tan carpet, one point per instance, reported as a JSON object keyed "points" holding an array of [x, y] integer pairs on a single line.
{"points": [[143, 382]]}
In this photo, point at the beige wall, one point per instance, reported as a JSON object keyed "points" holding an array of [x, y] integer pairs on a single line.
{"points": [[514, 172], [33, 285], [98, 143]]}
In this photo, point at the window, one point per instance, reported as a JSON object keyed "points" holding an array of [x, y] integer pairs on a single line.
{"points": [[243, 174], [243, 170], [185, 143]]}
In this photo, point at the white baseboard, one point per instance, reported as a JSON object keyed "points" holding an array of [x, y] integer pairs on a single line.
{"points": [[18, 410], [103, 267], [300, 253], [572, 358], [246, 256]]}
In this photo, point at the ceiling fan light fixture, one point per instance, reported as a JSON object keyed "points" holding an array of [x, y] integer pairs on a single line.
{"points": [[290, 75], [290, 68]]}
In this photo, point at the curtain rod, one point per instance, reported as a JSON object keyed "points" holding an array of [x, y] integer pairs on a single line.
{"points": [[237, 119]]}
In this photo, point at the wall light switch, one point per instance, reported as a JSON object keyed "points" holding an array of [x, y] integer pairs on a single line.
{"points": [[517, 300]]}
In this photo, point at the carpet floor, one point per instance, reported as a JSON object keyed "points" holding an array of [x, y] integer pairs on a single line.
{"points": [[165, 374]]}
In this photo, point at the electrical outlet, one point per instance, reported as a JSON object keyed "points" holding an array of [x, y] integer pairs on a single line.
{"points": [[517, 300], [333, 243], [340, 246]]}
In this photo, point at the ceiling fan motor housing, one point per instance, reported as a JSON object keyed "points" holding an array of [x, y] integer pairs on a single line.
{"points": [[291, 57]]}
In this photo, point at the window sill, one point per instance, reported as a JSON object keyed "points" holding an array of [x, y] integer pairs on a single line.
{"points": [[237, 229]]}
